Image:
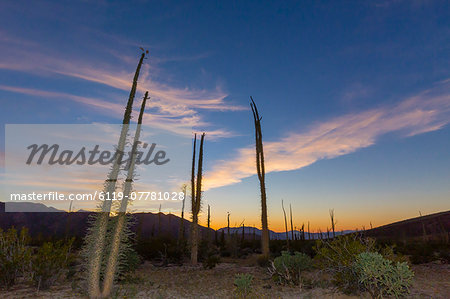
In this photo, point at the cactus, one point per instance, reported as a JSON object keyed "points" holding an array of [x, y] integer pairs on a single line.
{"points": [[209, 223], [111, 267], [228, 224], [181, 229], [261, 176], [209, 217], [292, 225], [333, 222], [286, 226], [159, 220], [196, 194], [95, 239], [309, 232], [243, 233]]}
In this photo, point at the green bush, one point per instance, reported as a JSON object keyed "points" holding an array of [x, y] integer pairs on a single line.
{"points": [[14, 255], [337, 256], [50, 262], [381, 277], [243, 283], [287, 268]]}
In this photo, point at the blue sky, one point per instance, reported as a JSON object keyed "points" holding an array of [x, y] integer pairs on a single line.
{"points": [[354, 95]]}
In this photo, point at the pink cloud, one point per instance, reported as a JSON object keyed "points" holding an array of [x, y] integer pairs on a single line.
{"points": [[172, 106], [180, 122], [425, 112]]}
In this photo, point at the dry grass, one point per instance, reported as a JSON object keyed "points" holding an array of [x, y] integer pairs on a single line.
{"points": [[431, 281], [195, 282]]}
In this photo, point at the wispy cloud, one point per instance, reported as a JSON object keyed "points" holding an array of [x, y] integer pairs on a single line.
{"points": [[101, 104], [173, 107], [355, 92], [425, 112], [177, 120]]}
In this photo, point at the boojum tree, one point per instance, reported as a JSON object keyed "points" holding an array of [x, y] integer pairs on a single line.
{"points": [[181, 227], [95, 239], [292, 224], [333, 222], [228, 224], [121, 223], [196, 195], [260, 169], [285, 226], [208, 222]]}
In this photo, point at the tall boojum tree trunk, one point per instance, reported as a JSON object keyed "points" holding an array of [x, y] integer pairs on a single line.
{"points": [[159, 220], [292, 225], [209, 223], [286, 226], [111, 267], [243, 232], [309, 232], [260, 168], [181, 229], [196, 194], [228, 224], [96, 238], [333, 222]]}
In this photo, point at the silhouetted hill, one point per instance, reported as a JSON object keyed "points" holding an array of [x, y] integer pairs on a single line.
{"points": [[27, 207], [51, 224], [430, 227]]}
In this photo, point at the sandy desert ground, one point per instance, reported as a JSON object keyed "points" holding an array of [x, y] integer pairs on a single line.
{"points": [[431, 281]]}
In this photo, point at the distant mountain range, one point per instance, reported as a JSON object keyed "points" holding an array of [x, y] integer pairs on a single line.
{"points": [[26, 207], [42, 220], [249, 231]]}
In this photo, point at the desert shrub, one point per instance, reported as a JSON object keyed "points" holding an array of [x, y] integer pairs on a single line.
{"points": [[337, 256], [14, 255], [50, 262], [130, 261], [232, 246], [211, 261], [161, 248], [287, 268], [277, 246], [206, 249], [444, 255], [425, 252], [305, 246], [243, 283], [263, 261], [388, 252], [245, 252], [381, 277]]}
